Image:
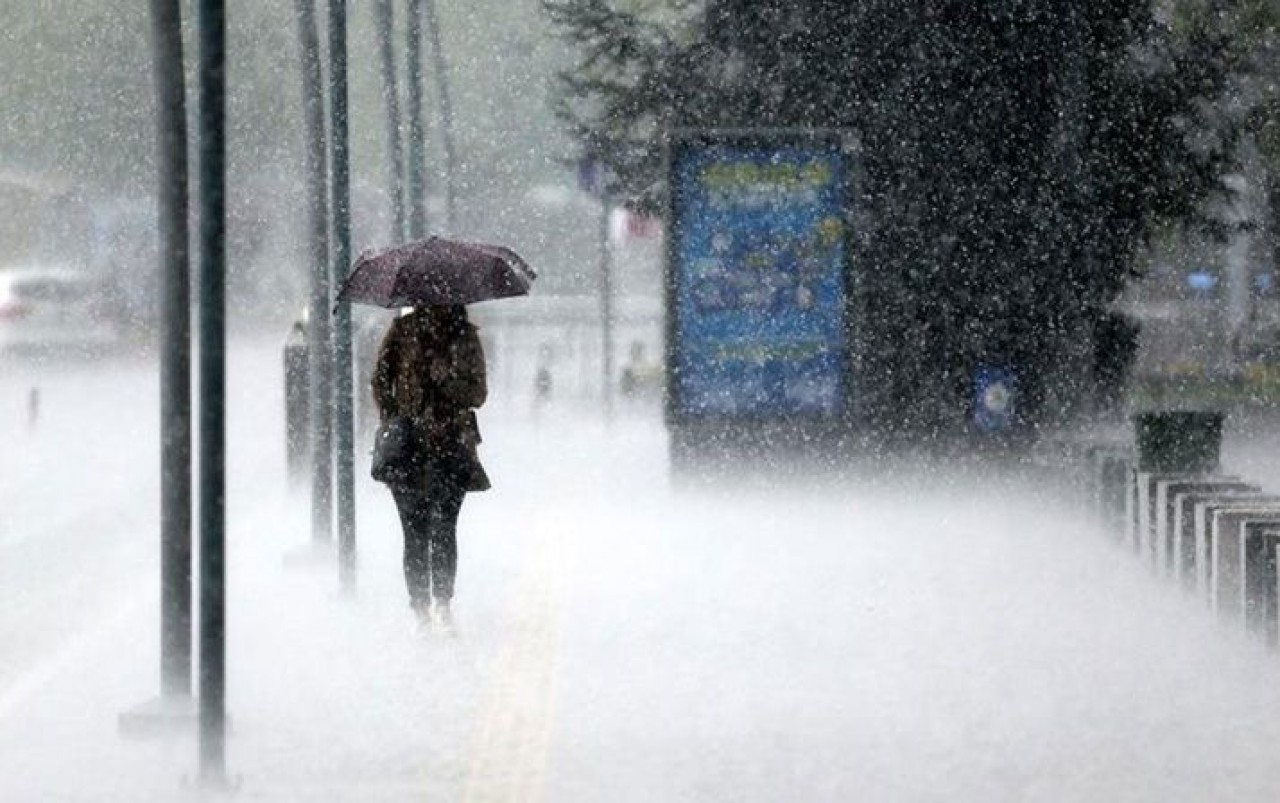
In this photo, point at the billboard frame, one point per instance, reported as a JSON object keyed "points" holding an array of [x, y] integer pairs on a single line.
{"points": [[846, 143]]}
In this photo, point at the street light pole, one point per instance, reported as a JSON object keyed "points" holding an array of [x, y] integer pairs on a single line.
{"points": [[319, 328], [384, 26], [175, 353], [439, 70], [212, 82], [341, 210], [416, 151]]}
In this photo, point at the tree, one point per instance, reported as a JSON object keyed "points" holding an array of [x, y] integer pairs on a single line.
{"points": [[1016, 154], [1255, 29]]}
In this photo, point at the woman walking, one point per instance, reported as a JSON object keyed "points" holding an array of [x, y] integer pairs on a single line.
{"points": [[430, 372]]}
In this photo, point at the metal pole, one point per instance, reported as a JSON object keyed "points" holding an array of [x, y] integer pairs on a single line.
{"points": [[319, 330], [212, 78], [341, 211], [175, 353], [440, 72], [414, 171], [384, 24], [606, 303]]}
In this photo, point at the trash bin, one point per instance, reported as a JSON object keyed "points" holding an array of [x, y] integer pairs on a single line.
{"points": [[1179, 441]]}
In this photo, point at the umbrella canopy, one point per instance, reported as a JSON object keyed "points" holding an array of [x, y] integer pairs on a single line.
{"points": [[436, 271]]}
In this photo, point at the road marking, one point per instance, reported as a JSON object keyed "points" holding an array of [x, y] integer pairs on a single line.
{"points": [[510, 747], [72, 652]]}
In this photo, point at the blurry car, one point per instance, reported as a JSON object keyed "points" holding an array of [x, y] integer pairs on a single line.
{"points": [[58, 310]]}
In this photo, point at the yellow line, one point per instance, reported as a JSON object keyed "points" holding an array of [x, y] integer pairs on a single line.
{"points": [[509, 752]]}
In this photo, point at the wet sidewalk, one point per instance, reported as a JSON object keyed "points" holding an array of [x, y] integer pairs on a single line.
{"points": [[334, 696], [624, 640]]}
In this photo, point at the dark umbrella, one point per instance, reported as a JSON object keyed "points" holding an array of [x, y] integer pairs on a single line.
{"points": [[436, 271]]}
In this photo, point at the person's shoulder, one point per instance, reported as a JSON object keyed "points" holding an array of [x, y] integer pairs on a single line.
{"points": [[397, 330], [400, 324]]}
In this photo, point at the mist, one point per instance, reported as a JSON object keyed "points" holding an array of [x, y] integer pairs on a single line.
{"points": [[620, 636]]}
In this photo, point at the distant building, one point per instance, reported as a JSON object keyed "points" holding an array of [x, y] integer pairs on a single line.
{"points": [[1206, 310], [41, 220]]}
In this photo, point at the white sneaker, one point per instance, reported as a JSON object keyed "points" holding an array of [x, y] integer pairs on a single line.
{"points": [[423, 621], [442, 618]]}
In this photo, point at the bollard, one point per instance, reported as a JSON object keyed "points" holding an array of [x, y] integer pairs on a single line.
{"points": [[1170, 495], [1186, 505], [1129, 524], [1205, 550], [1259, 593], [1166, 491], [1108, 467], [33, 407], [1084, 486], [1227, 551], [1171, 444], [297, 409], [1114, 477], [1092, 483], [1146, 493]]}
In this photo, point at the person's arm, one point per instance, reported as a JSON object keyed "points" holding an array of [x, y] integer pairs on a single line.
{"points": [[384, 371]]}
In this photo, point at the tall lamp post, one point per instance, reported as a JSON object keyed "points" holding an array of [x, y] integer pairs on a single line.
{"points": [[415, 152], [174, 708], [439, 71], [175, 355], [339, 167], [319, 327], [384, 27], [212, 383]]}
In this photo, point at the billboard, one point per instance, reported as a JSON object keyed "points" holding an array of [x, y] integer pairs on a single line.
{"points": [[756, 277]]}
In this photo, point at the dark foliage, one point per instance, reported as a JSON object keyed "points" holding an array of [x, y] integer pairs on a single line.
{"points": [[1016, 153]]}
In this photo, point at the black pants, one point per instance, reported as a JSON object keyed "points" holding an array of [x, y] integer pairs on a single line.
{"points": [[430, 523]]}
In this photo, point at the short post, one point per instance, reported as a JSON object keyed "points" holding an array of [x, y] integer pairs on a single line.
{"points": [[1207, 531], [1169, 494], [1227, 542], [1188, 506], [297, 400], [1261, 539], [1110, 468], [33, 407], [1171, 444], [1146, 534]]}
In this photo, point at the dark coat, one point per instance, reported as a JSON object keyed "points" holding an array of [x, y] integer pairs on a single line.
{"points": [[435, 376]]}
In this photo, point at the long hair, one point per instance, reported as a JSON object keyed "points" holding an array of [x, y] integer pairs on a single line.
{"points": [[442, 320]]}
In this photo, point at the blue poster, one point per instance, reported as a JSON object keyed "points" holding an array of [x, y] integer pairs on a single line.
{"points": [[758, 262], [995, 396]]}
